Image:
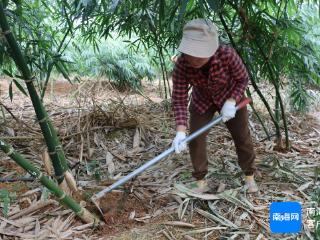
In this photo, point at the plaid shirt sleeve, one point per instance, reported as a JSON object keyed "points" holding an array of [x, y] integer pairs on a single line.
{"points": [[180, 93], [239, 74]]}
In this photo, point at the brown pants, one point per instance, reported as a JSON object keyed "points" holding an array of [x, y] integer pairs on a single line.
{"points": [[238, 127]]}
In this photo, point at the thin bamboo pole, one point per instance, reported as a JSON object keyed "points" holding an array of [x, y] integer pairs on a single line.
{"points": [[54, 146], [252, 78], [164, 69], [258, 116], [274, 80], [279, 103], [65, 199], [50, 66]]}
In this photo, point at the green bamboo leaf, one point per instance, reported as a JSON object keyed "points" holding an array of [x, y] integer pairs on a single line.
{"points": [[60, 67], [183, 8], [315, 78], [2, 52], [10, 91], [114, 5], [162, 8], [7, 72], [5, 3], [215, 5], [190, 5], [20, 87], [5, 200], [203, 5], [294, 93], [296, 98]]}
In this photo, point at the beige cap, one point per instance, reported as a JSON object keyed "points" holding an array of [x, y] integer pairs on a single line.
{"points": [[200, 38]]}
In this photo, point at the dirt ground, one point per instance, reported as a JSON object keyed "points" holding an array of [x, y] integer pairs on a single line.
{"points": [[119, 218], [100, 143]]}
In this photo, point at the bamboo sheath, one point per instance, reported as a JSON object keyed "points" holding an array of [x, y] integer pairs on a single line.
{"points": [[52, 141], [80, 211]]}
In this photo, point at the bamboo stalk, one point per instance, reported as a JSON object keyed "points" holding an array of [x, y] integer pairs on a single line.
{"points": [[253, 81], [277, 114], [44, 88], [274, 80], [279, 102], [68, 201], [3, 115], [258, 116], [164, 69], [54, 146], [163, 77], [51, 64]]}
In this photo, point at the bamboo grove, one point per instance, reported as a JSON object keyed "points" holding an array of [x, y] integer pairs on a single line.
{"points": [[268, 35], [54, 146]]}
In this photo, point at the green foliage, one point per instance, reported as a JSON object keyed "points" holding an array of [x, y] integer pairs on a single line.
{"points": [[276, 39], [300, 99], [316, 196], [18, 85], [260, 30], [185, 175], [5, 199], [87, 195], [113, 60], [45, 194], [316, 217], [273, 42], [269, 35], [43, 35], [94, 168], [306, 58]]}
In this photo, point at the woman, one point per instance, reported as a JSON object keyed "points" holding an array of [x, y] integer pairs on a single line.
{"points": [[219, 80]]}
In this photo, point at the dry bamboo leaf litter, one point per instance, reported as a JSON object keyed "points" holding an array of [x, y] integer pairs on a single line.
{"points": [[134, 133]]}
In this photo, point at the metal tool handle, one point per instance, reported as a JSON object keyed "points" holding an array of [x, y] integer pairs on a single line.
{"points": [[164, 154]]}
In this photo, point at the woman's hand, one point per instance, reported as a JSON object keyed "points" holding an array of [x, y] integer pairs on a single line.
{"points": [[228, 110], [177, 142]]}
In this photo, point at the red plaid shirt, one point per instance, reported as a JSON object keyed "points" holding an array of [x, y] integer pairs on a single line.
{"points": [[223, 77]]}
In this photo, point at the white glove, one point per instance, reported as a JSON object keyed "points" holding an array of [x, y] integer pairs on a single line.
{"points": [[228, 110], [178, 146]]}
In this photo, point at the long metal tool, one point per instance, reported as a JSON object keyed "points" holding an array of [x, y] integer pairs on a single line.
{"points": [[153, 161]]}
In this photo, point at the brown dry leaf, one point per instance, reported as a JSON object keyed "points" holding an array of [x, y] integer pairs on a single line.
{"points": [[222, 187], [179, 224], [17, 234], [305, 186], [136, 138], [122, 158], [6, 221], [128, 123], [184, 190], [110, 163], [47, 162], [37, 228], [187, 237], [10, 131], [92, 118], [25, 220], [301, 150], [35, 207]]}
